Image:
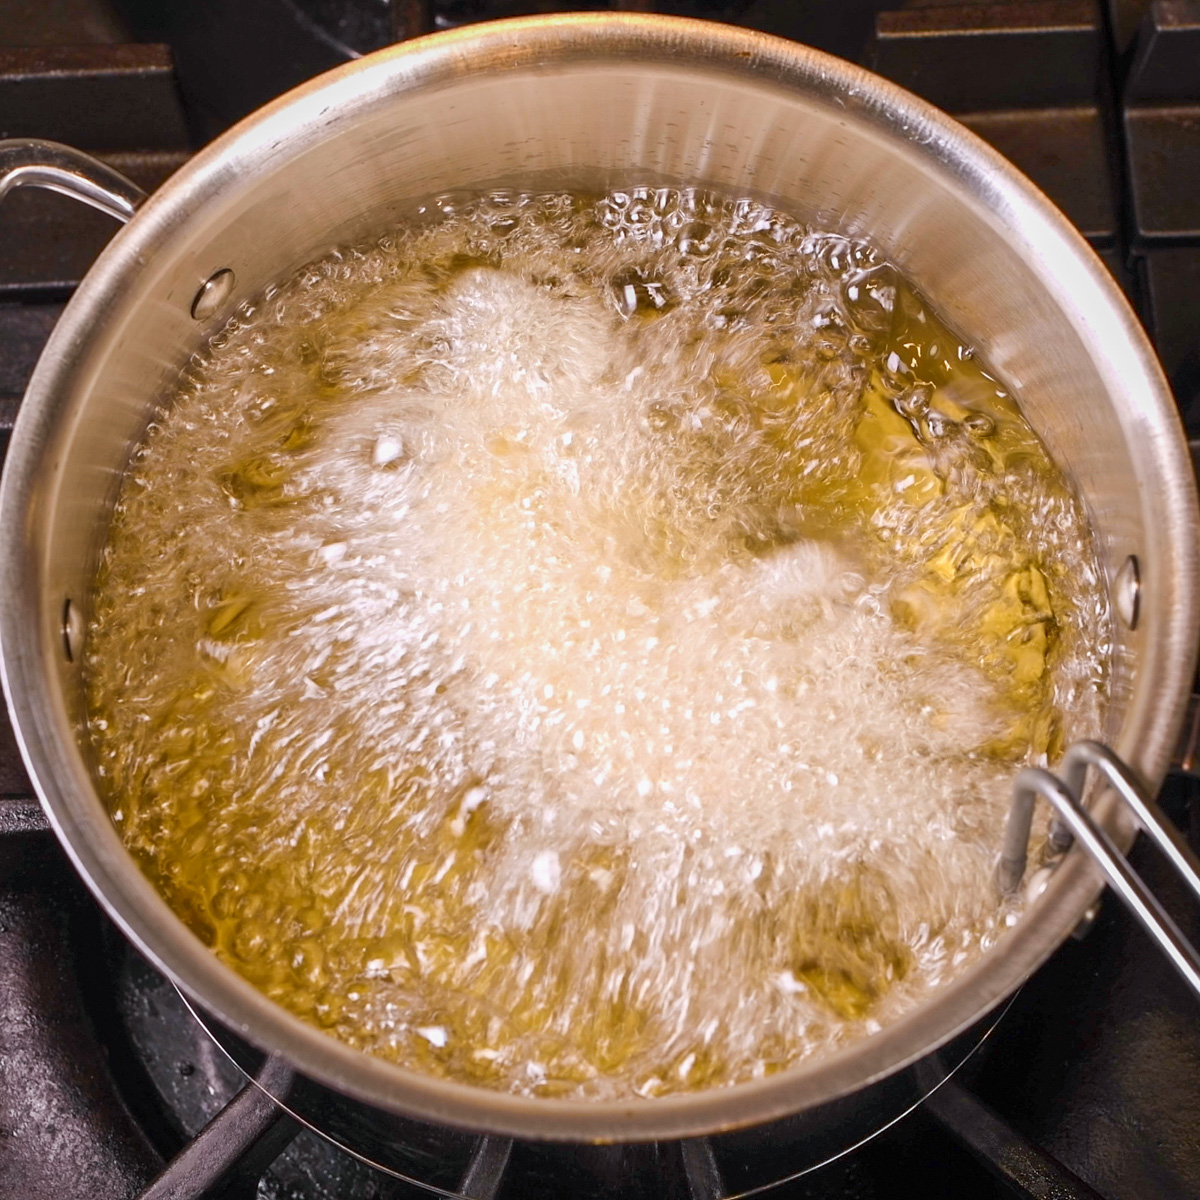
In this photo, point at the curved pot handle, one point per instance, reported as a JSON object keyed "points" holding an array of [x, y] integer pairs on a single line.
{"points": [[1065, 794], [30, 162]]}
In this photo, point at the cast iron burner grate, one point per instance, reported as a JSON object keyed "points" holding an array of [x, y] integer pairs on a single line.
{"points": [[109, 1086]]}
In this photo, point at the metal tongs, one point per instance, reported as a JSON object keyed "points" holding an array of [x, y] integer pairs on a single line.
{"points": [[1074, 822]]}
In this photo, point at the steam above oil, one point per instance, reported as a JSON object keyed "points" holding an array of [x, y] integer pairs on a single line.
{"points": [[583, 647]]}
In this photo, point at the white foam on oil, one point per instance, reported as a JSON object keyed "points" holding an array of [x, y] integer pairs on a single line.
{"points": [[504, 529]]}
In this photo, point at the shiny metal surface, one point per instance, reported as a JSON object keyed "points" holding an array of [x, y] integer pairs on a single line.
{"points": [[588, 102], [72, 630], [1187, 751], [747, 1162], [214, 292], [30, 162], [1066, 796], [1127, 592]]}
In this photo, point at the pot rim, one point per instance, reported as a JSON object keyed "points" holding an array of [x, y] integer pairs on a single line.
{"points": [[79, 819]]}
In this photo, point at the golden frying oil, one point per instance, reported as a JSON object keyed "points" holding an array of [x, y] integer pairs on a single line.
{"points": [[582, 647]]}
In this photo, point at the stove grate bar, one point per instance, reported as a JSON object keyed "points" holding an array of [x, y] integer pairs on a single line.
{"points": [[1028, 1170], [485, 1172], [20, 814], [703, 1175], [226, 1159]]}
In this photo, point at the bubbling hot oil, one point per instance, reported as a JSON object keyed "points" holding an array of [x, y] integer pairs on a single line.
{"points": [[582, 647]]}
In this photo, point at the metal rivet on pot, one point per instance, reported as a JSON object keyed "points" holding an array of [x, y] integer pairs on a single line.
{"points": [[1086, 922], [1127, 592], [214, 291], [72, 630]]}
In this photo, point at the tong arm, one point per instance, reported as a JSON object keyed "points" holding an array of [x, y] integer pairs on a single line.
{"points": [[1065, 794]]}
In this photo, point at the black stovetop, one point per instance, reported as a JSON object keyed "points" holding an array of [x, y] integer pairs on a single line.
{"points": [[1090, 1085]]}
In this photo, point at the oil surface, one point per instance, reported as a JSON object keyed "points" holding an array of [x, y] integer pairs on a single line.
{"points": [[583, 647]]}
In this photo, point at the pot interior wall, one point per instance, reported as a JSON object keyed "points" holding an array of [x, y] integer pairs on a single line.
{"points": [[334, 174]]}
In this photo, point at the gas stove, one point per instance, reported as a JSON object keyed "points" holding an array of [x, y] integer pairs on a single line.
{"points": [[1087, 1085]]}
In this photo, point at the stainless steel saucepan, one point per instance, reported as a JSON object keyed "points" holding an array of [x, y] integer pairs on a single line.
{"points": [[585, 102]]}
